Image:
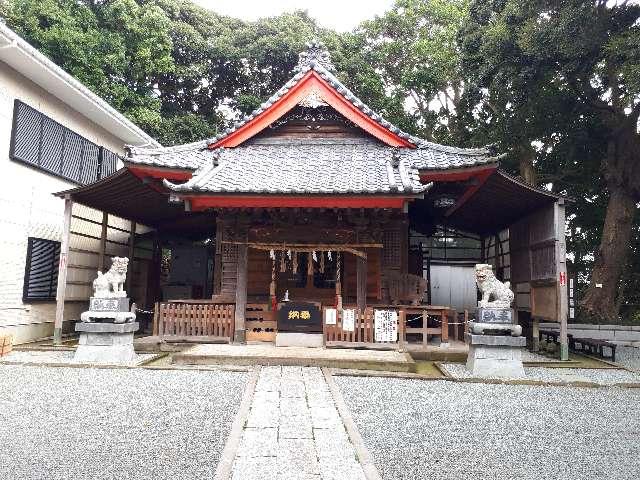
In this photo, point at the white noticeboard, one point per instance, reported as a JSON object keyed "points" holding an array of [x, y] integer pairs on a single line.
{"points": [[330, 316], [386, 325], [348, 320]]}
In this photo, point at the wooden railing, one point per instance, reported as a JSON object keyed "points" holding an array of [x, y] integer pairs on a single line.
{"points": [[363, 333], [195, 322]]}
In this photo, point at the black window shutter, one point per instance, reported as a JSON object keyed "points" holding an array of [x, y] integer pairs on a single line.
{"points": [[47, 145], [41, 270]]}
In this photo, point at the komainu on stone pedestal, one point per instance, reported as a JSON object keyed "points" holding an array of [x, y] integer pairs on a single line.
{"points": [[107, 328], [109, 301], [491, 353], [494, 309]]}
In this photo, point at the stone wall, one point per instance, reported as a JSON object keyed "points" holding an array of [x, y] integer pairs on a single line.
{"points": [[615, 333]]}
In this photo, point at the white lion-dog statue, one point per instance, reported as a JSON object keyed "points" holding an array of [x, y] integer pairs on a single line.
{"points": [[111, 283], [490, 287]]}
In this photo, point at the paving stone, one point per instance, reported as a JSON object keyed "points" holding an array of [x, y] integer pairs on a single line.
{"points": [[254, 468], [294, 407], [292, 448], [263, 417], [330, 469], [292, 389], [258, 442], [295, 427], [293, 417]]}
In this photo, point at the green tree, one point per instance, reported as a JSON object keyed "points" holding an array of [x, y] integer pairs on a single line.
{"points": [[116, 48], [413, 48], [553, 62]]}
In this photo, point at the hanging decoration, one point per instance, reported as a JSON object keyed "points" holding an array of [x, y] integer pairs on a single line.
{"points": [[315, 257], [321, 262], [329, 255], [295, 262], [283, 263], [272, 254], [289, 254], [309, 265], [272, 286]]}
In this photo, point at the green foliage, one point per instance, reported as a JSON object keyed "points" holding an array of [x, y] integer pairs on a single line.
{"points": [[413, 47], [116, 48]]}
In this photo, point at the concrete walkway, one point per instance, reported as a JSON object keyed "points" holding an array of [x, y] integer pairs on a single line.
{"points": [[269, 354], [294, 431]]}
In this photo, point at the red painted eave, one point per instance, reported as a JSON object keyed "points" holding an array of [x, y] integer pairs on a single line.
{"points": [[298, 201], [456, 175], [309, 82], [159, 173]]}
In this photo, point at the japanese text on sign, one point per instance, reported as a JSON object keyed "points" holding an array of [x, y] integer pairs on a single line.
{"points": [[301, 314], [330, 316], [348, 320], [386, 325]]}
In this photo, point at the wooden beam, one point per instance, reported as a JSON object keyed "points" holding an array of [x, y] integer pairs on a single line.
{"points": [[62, 271], [132, 246], [103, 241], [361, 280], [239, 335]]}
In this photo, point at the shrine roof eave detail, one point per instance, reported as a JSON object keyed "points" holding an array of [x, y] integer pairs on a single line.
{"points": [[205, 202]]}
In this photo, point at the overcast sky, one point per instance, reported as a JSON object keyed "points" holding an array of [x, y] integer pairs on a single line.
{"points": [[341, 15]]}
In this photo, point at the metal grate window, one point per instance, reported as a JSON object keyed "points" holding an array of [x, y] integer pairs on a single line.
{"points": [[44, 143], [41, 270]]}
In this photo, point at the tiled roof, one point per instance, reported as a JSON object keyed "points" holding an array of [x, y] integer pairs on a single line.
{"points": [[428, 156], [344, 166], [309, 166]]}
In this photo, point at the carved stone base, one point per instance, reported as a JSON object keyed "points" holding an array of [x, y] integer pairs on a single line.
{"points": [[116, 317], [108, 343], [495, 356]]}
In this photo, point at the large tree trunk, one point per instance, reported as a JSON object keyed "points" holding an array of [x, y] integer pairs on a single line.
{"points": [[621, 172], [611, 258], [525, 163]]}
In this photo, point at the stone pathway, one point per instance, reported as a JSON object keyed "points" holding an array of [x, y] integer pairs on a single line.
{"points": [[294, 431]]}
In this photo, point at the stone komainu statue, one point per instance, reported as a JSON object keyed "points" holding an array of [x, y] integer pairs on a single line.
{"points": [[111, 283], [491, 287]]}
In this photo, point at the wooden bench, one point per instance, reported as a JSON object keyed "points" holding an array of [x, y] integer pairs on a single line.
{"points": [[550, 335], [593, 347]]}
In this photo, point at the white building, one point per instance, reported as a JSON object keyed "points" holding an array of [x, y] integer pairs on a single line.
{"points": [[54, 135]]}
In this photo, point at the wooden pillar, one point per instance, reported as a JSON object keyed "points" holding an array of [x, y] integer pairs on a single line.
{"points": [[103, 241], [239, 335], [132, 246], [62, 271], [338, 281], [361, 281], [535, 334], [561, 269]]}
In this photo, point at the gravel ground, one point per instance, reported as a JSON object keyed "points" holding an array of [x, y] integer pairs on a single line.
{"points": [[86, 423], [61, 356], [628, 356], [446, 430], [528, 356], [603, 376]]}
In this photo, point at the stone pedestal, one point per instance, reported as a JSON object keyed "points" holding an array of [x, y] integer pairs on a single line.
{"points": [[495, 355], [295, 339], [106, 342]]}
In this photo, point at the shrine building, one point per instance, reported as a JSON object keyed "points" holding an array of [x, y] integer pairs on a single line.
{"points": [[315, 205]]}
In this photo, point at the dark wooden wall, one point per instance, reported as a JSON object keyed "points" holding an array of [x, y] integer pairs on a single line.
{"points": [[389, 228]]}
